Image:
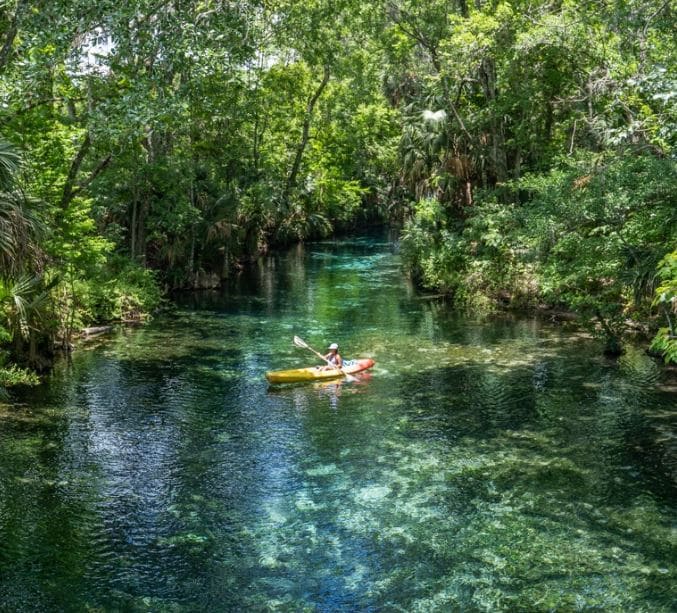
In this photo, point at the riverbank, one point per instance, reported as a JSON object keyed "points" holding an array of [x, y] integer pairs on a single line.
{"points": [[580, 249]]}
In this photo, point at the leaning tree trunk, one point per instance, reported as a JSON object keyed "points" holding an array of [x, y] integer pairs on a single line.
{"points": [[293, 174], [72, 187]]}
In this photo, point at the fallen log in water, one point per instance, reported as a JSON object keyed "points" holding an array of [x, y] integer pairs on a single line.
{"points": [[96, 330]]}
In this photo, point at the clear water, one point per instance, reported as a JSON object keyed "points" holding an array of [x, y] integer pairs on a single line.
{"points": [[481, 466]]}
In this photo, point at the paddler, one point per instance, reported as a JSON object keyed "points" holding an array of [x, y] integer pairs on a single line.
{"points": [[333, 358]]}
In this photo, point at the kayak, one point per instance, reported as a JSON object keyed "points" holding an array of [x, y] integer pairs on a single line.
{"points": [[317, 373]]}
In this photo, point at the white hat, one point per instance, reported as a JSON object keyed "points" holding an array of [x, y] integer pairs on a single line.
{"points": [[333, 346]]}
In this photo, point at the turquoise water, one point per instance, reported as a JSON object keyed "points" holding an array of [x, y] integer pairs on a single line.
{"points": [[495, 465]]}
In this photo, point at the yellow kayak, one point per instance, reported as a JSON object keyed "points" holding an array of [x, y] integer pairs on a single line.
{"points": [[318, 373]]}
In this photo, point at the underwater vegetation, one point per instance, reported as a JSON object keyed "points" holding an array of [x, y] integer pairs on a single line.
{"points": [[493, 465]]}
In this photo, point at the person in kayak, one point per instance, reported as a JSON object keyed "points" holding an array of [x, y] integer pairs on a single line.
{"points": [[333, 358]]}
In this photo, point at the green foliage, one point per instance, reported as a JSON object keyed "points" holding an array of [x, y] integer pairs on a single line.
{"points": [[665, 345], [665, 341], [20, 302], [9, 165], [480, 262], [21, 226], [195, 144], [531, 137], [545, 134], [583, 241], [11, 376], [431, 251], [128, 292]]}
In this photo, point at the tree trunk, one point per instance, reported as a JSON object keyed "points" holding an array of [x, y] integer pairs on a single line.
{"points": [[10, 35], [152, 146], [69, 186], [259, 126], [463, 8], [497, 152], [141, 232], [132, 228], [291, 179], [517, 166], [193, 202]]}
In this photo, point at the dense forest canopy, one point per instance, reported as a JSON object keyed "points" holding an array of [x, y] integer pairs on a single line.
{"points": [[527, 148]]}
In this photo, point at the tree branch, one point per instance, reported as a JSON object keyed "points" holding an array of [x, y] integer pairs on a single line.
{"points": [[10, 35], [653, 16], [38, 103], [69, 188], [100, 167]]}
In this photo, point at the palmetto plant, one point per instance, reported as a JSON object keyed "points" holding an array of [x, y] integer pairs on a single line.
{"points": [[22, 301], [23, 293], [431, 164], [20, 224], [20, 229], [9, 164]]}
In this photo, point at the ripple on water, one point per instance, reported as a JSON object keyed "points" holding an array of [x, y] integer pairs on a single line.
{"points": [[498, 465]]}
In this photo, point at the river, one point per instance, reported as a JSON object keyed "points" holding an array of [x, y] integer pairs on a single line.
{"points": [[494, 464]]}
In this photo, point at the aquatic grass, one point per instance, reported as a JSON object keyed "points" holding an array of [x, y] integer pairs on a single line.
{"points": [[526, 549], [495, 465]]}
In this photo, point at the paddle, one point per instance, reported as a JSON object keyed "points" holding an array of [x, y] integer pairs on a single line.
{"points": [[299, 342]]}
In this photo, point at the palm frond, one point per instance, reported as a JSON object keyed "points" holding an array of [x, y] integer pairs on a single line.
{"points": [[21, 231], [10, 161]]}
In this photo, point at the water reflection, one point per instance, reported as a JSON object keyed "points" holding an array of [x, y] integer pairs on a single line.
{"points": [[307, 394], [482, 465]]}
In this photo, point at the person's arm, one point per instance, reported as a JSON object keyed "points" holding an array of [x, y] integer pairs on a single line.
{"points": [[339, 361]]}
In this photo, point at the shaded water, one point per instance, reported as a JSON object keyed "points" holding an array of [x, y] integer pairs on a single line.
{"points": [[481, 466]]}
